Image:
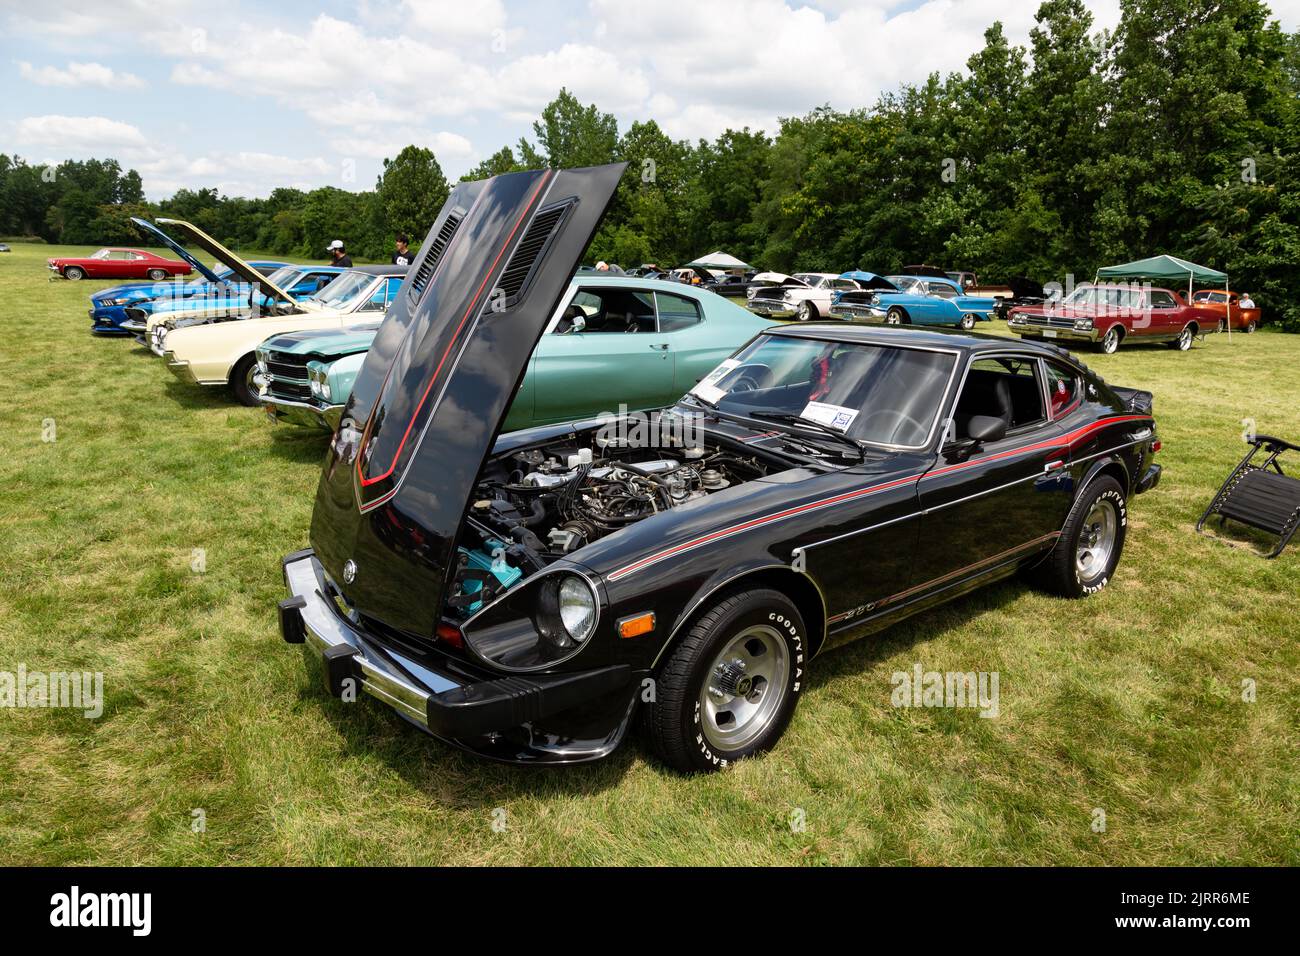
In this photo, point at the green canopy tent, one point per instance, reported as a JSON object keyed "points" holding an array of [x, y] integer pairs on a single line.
{"points": [[1168, 269]]}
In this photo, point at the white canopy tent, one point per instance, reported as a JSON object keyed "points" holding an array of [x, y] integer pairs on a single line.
{"points": [[720, 261]]}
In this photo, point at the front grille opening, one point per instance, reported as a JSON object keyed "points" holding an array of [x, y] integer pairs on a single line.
{"points": [[528, 254], [429, 264]]}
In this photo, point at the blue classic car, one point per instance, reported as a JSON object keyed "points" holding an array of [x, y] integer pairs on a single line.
{"points": [[912, 300], [301, 282], [108, 306]]}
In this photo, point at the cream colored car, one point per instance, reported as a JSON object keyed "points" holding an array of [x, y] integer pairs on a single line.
{"points": [[224, 352]]}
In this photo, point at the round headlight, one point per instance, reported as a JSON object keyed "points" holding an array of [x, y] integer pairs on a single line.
{"points": [[577, 608]]}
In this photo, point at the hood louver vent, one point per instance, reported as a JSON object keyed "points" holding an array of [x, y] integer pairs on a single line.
{"points": [[529, 252], [434, 255]]}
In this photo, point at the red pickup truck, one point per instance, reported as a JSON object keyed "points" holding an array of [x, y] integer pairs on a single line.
{"points": [[1107, 315]]}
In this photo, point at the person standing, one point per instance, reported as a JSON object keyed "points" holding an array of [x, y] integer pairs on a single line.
{"points": [[405, 255], [338, 256]]}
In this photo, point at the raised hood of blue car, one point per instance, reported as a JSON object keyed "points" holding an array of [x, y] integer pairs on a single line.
{"points": [[176, 247], [438, 380]]}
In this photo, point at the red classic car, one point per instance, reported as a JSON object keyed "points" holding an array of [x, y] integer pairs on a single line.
{"points": [[1107, 315], [1242, 309], [119, 264]]}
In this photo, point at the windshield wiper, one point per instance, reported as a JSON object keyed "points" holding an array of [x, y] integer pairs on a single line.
{"points": [[793, 419]]}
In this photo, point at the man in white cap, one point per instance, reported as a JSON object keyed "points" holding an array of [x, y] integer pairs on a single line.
{"points": [[337, 256]]}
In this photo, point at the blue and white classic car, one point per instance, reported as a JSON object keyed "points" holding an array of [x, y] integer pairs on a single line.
{"points": [[913, 300], [108, 306]]}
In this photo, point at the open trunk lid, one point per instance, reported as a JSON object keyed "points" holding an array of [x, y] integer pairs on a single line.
{"points": [[437, 382]]}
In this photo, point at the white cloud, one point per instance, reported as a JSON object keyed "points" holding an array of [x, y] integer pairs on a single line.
{"points": [[388, 143], [80, 74], [78, 133]]}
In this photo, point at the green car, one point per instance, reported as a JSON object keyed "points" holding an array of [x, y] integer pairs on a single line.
{"points": [[614, 340]]}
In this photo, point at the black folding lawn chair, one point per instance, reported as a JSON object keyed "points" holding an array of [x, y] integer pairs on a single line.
{"points": [[1260, 495]]}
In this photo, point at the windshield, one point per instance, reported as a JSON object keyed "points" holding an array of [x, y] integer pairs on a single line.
{"points": [[345, 291], [285, 276], [906, 284], [1110, 296], [880, 394]]}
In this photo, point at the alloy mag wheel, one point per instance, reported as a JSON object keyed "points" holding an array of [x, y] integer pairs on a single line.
{"points": [[894, 316], [805, 312], [73, 273], [1110, 343], [1096, 541], [968, 321], [1184, 340], [742, 693]]}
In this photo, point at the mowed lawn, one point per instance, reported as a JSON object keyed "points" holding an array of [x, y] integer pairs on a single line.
{"points": [[1130, 702]]}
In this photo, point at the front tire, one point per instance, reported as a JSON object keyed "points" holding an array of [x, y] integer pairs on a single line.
{"points": [[1109, 344], [807, 312], [895, 316], [730, 687], [1251, 326], [243, 381], [1087, 553], [74, 273]]}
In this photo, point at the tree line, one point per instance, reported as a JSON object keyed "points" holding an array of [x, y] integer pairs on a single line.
{"points": [[1178, 132]]}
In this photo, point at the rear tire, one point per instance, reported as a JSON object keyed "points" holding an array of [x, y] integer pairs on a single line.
{"points": [[968, 321], [1223, 325], [157, 275], [74, 273], [1088, 551], [242, 382], [730, 687], [1184, 341]]}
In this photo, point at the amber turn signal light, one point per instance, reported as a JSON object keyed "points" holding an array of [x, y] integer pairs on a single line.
{"points": [[636, 625]]}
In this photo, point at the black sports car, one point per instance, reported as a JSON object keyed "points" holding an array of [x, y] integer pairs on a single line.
{"points": [[530, 597]]}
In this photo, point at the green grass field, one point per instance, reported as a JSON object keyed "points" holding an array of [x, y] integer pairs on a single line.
{"points": [[1129, 702]]}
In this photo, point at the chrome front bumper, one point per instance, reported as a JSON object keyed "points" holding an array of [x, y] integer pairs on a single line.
{"points": [[861, 313], [306, 414], [773, 310], [1034, 331], [468, 712]]}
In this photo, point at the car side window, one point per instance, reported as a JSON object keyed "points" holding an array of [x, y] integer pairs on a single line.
{"points": [[606, 311], [1005, 387], [942, 290], [1162, 300], [390, 290], [676, 312], [1064, 389]]}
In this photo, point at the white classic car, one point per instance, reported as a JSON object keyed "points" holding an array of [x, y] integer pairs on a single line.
{"points": [[804, 295]]}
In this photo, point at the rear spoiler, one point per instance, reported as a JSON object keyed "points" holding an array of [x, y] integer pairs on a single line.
{"points": [[1135, 399]]}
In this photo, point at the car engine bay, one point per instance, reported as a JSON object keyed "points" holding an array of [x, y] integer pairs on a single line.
{"points": [[536, 505]]}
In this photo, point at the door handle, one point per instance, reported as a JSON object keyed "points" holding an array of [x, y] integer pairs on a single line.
{"points": [[661, 346], [1056, 465]]}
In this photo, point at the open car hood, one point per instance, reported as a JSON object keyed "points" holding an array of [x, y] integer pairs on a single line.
{"points": [[778, 278], [440, 376], [223, 255], [176, 247]]}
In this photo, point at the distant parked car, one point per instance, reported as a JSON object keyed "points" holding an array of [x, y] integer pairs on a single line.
{"points": [[4, 247], [805, 296], [1107, 315], [915, 300], [1227, 304], [110, 263], [614, 340]]}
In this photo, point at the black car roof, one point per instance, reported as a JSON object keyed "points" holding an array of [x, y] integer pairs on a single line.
{"points": [[936, 338], [380, 270]]}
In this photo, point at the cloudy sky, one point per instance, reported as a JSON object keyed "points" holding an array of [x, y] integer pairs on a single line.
{"points": [[246, 96]]}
